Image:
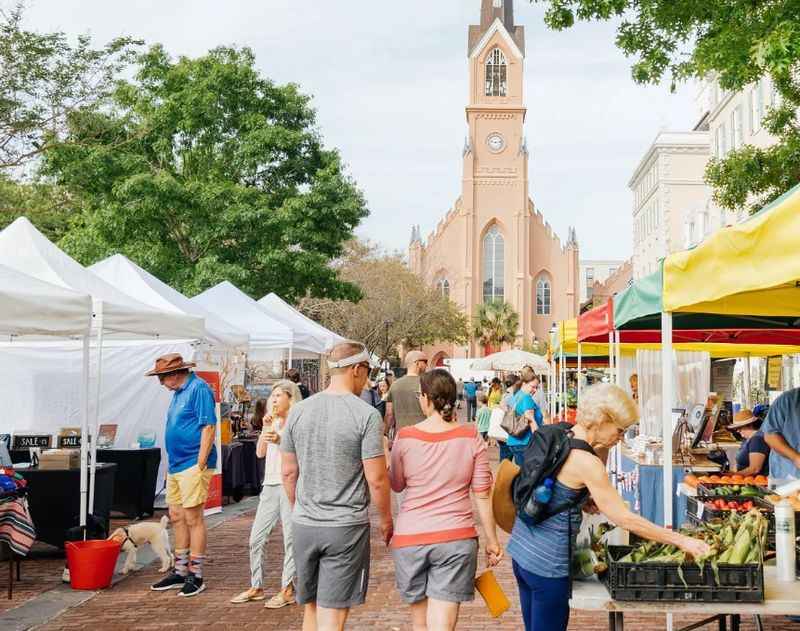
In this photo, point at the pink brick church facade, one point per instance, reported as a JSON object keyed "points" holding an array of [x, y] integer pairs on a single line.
{"points": [[493, 244]]}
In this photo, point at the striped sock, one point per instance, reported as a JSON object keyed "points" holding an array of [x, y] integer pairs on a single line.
{"points": [[196, 565], [182, 562]]}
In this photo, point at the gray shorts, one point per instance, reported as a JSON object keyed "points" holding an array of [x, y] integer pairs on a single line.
{"points": [[444, 571], [332, 564]]}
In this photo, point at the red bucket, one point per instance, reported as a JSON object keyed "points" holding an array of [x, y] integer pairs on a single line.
{"points": [[91, 563]]}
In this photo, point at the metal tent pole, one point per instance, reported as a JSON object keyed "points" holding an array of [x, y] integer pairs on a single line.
{"points": [[579, 371], [84, 429], [666, 413], [96, 424], [748, 384]]}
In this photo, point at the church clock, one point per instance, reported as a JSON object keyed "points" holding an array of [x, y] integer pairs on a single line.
{"points": [[496, 142]]}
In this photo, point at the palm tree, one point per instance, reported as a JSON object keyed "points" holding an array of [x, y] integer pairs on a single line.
{"points": [[495, 324]]}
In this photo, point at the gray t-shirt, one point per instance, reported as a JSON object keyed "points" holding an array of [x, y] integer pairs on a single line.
{"points": [[331, 434]]}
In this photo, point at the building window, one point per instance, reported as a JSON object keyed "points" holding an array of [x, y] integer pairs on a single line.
{"points": [[721, 141], [736, 128], [496, 71], [543, 296], [493, 265], [444, 287]]}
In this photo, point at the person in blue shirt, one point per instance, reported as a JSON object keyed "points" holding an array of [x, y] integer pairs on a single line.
{"points": [[782, 433], [471, 395], [189, 441], [524, 405], [753, 456]]}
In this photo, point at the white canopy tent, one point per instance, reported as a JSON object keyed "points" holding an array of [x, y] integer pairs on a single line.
{"points": [[25, 249], [29, 306], [307, 336], [126, 275], [268, 337], [512, 361]]}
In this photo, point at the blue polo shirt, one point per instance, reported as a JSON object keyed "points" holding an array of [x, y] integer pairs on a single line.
{"points": [[191, 409], [470, 390], [784, 418], [522, 402]]}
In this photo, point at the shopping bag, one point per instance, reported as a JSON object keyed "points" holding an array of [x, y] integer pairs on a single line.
{"points": [[488, 587]]}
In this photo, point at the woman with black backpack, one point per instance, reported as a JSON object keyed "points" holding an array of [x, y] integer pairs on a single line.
{"points": [[541, 553]]}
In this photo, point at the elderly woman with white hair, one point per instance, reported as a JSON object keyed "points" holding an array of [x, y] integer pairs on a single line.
{"points": [[541, 553], [273, 504]]}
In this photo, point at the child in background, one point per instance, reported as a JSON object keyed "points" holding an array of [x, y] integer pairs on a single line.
{"points": [[483, 416]]}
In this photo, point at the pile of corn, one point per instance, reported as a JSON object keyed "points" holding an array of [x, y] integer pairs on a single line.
{"points": [[736, 540]]}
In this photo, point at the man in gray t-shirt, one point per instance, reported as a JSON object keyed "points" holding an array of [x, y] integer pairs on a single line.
{"points": [[333, 464], [331, 434]]}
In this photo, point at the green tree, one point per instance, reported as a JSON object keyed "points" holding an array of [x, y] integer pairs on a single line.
{"points": [[201, 171], [735, 41], [43, 79], [396, 307], [495, 324], [46, 205]]}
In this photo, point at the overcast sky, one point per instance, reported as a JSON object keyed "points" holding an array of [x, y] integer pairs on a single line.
{"points": [[389, 81]]}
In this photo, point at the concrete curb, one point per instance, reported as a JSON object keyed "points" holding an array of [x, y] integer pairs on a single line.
{"points": [[48, 605]]}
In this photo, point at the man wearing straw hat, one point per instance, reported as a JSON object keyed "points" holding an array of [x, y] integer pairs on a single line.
{"points": [[189, 440]]}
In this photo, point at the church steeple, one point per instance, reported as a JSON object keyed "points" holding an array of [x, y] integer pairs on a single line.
{"points": [[492, 10]]}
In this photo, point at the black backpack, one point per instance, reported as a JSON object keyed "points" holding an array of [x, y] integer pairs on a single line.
{"points": [[545, 455]]}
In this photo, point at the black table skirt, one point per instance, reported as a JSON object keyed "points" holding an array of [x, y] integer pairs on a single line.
{"points": [[54, 499], [242, 472], [135, 480]]}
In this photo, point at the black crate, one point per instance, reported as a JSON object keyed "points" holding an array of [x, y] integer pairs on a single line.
{"points": [[693, 505], [704, 489], [661, 582]]}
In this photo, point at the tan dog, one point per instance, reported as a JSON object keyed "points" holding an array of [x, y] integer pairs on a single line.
{"points": [[135, 535]]}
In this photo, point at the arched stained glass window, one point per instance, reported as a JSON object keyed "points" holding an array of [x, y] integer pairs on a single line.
{"points": [[496, 73], [444, 287], [543, 296], [493, 265]]}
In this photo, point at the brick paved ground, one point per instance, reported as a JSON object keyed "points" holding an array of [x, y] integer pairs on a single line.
{"points": [[129, 604], [40, 571]]}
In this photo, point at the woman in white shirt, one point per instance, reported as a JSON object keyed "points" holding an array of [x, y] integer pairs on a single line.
{"points": [[273, 503]]}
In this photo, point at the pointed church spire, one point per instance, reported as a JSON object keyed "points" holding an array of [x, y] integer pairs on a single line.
{"points": [[492, 10]]}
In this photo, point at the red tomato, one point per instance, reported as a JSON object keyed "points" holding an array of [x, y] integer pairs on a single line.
{"points": [[734, 505]]}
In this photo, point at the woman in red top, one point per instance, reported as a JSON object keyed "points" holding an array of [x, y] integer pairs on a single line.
{"points": [[436, 463]]}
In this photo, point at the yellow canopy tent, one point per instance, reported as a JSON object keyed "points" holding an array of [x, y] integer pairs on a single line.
{"points": [[752, 268]]}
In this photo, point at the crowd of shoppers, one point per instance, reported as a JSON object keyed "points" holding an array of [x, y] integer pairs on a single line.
{"points": [[328, 456]]}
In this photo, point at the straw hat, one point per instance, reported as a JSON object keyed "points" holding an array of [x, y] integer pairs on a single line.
{"points": [[743, 418], [166, 364], [502, 500]]}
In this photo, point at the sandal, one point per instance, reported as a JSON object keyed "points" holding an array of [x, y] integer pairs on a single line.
{"points": [[249, 595], [281, 599]]}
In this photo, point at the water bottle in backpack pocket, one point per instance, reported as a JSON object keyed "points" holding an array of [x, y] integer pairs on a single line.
{"points": [[540, 498]]}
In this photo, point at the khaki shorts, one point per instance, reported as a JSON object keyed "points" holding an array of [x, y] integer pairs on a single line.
{"points": [[188, 488]]}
